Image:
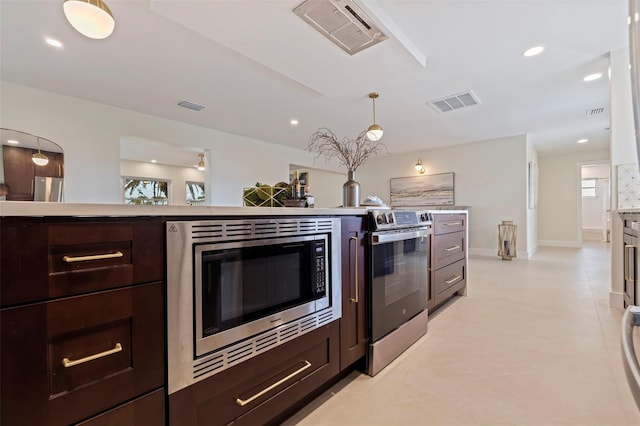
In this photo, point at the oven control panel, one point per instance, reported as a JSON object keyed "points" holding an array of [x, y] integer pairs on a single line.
{"points": [[394, 219]]}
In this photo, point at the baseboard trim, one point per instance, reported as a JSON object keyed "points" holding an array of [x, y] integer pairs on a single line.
{"points": [[555, 243], [616, 300]]}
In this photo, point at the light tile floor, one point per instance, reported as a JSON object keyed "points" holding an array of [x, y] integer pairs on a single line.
{"points": [[534, 343]]}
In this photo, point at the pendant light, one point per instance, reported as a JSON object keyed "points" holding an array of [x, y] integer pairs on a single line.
{"points": [[201, 163], [39, 158], [374, 132], [419, 167], [91, 18]]}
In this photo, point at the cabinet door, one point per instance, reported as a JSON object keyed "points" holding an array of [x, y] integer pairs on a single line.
{"points": [[353, 327], [66, 360], [18, 173], [630, 269]]}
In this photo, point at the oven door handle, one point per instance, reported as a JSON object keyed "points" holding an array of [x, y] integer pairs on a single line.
{"points": [[390, 237]]}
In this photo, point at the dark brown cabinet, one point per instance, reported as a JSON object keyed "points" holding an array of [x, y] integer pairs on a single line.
{"points": [[20, 171], [264, 389], [353, 326], [631, 257], [82, 321], [448, 257]]}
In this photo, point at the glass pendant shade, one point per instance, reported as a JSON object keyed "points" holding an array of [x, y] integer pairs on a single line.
{"points": [[419, 167], [201, 163], [40, 159], [374, 132], [91, 18]]}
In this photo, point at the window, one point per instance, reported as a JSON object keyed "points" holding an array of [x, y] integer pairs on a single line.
{"points": [[589, 187], [146, 191], [195, 193]]}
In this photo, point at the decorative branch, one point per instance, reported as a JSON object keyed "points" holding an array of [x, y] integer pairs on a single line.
{"points": [[350, 152]]}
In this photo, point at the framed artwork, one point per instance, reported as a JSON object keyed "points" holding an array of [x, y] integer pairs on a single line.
{"points": [[533, 185], [427, 190]]}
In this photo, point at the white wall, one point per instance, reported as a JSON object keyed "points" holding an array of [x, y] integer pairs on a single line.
{"points": [[90, 135], [490, 177], [532, 208], [177, 177], [623, 151], [558, 197]]}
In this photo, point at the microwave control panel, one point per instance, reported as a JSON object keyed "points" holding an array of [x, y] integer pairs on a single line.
{"points": [[320, 269]]}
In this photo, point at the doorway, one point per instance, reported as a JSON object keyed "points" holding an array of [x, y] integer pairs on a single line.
{"points": [[595, 201]]}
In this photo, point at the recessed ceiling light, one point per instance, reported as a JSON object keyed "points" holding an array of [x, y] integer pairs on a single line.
{"points": [[13, 142], [153, 161], [294, 122], [533, 51], [592, 77], [583, 140], [53, 42]]}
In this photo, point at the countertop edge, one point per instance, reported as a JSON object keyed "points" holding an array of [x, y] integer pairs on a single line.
{"points": [[45, 209]]}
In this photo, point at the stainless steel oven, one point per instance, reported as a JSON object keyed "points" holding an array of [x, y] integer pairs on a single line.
{"points": [[399, 244], [236, 288]]}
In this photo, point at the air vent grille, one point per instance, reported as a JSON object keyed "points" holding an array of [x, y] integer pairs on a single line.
{"points": [[453, 102], [342, 22], [190, 105], [230, 230], [594, 111]]}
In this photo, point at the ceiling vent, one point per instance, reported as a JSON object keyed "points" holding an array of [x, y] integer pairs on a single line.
{"points": [[190, 105], [594, 111], [342, 22], [453, 102]]}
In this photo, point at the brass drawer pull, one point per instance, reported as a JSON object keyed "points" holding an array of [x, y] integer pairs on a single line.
{"points": [[452, 224], [243, 402], [68, 363], [452, 248], [356, 299], [70, 259], [453, 279]]}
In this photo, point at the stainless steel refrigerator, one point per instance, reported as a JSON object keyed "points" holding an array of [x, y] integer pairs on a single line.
{"points": [[47, 189]]}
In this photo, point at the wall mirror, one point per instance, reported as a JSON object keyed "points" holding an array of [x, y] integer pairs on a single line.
{"points": [[31, 167], [160, 173]]}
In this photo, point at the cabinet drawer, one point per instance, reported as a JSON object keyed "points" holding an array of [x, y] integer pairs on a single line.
{"points": [[144, 411], [77, 356], [448, 248], [444, 223], [448, 280], [260, 389], [63, 259]]}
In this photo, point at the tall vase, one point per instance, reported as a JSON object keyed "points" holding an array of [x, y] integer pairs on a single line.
{"points": [[351, 191]]}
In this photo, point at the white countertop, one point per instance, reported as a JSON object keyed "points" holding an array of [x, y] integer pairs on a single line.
{"points": [[29, 208]]}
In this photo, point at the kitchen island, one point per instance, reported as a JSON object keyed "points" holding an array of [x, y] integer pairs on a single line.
{"points": [[83, 323]]}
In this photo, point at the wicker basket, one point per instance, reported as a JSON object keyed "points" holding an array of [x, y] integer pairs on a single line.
{"points": [[263, 196]]}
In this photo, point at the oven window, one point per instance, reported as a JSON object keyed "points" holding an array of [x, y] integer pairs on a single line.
{"points": [[244, 284], [400, 283]]}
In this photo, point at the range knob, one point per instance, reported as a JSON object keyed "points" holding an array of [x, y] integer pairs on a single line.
{"points": [[390, 216], [380, 219]]}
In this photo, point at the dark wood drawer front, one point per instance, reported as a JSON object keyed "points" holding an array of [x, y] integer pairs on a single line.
{"points": [[145, 411], [64, 259], [448, 248], [77, 356], [288, 373], [449, 278], [446, 223]]}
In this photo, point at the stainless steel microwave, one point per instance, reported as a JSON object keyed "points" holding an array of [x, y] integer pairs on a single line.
{"points": [[236, 288]]}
